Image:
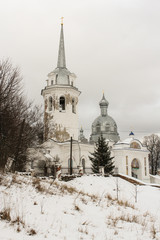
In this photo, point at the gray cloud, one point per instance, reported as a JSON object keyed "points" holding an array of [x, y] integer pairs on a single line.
{"points": [[112, 46]]}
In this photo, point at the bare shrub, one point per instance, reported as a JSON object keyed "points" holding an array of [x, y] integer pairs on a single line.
{"points": [[35, 181], [18, 229], [146, 214], [69, 189], [14, 179], [6, 214], [37, 184], [84, 200], [76, 207], [153, 231], [1, 179], [81, 193], [83, 230], [94, 198], [18, 220], [125, 204], [109, 197], [32, 232], [42, 206]]}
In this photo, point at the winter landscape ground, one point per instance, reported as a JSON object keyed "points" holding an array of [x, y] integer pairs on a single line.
{"points": [[84, 208]]}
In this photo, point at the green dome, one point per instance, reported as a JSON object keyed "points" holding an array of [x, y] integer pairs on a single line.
{"points": [[104, 124]]}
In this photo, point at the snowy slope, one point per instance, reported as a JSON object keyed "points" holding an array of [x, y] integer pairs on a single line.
{"points": [[84, 208]]}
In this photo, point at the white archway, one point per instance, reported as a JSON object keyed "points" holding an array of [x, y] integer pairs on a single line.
{"points": [[136, 169]]}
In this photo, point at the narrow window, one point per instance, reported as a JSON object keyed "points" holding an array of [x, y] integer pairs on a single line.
{"points": [[98, 128], [32, 164], [73, 106], [126, 165], [145, 166], [50, 103], [61, 104], [83, 165], [51, 82], [56, 78], [107, 127], [68, 79]]}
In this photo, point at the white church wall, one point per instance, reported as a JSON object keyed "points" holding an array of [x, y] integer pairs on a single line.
{"points": [[79, 151], [122, 157], [61, 124]]}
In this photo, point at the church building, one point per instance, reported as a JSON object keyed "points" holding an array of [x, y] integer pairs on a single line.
{"points": [[65, 145]]}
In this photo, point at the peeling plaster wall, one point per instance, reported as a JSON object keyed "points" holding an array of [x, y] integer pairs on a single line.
{"points": [[60, 125], [79, 150]]}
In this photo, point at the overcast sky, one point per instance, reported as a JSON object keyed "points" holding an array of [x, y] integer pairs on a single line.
{"points": [[111, 45]]}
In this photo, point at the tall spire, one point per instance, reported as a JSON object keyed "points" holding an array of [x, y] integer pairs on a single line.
{"points": [[61, 54]]}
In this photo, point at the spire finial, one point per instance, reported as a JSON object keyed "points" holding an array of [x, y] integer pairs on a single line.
{"points": [[61, 54], [62, 20]]}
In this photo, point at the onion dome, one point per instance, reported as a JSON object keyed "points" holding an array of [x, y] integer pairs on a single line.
{"points": [[104, 124], [131, 134], [103, 102]]}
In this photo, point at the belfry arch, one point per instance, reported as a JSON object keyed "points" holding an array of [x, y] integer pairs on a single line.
{"points": [[136, 169]]}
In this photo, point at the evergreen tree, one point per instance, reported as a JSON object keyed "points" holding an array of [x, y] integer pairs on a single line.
{"points": [[102, 157]]}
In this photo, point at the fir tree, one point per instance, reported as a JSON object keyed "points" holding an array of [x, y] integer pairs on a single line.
{"points": [[102, 157]]}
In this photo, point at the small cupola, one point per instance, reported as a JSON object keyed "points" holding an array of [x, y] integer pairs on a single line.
{"points": [[82, 137], [131, 134], [103, 106]]}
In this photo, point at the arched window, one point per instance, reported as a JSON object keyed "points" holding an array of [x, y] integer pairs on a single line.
{"points": [[50, 103], [115, 127], [126, 165], [135, 145], [107, 127], [83, 165], [135, 164], [73, 106], [98, 128], [61, 104], [112, 128], [56, 78], [145, 166]]}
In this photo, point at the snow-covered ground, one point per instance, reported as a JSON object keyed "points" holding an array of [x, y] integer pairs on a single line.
{"points": [[84, 208]]}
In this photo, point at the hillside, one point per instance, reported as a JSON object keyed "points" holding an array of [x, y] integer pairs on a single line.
{"points": [[84, 208]]}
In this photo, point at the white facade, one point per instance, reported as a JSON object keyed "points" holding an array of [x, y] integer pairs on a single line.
{"points": [[61, 101], [131, 158], [61, 123], [80, 155]]}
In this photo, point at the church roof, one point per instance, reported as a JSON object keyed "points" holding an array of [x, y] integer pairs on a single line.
{"points": [[104, 120], [104, 124], [103, 101], [131, 134], [62, 74], [61, 53]]}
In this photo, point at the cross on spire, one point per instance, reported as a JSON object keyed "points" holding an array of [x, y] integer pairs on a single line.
{"points": [[62, 20]]}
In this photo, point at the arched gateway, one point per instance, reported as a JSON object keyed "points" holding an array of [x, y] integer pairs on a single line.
{"points": [[135, 168]]}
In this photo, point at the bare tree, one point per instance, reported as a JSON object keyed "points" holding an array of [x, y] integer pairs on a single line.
{"points": [[20, 121], [152, 143]]}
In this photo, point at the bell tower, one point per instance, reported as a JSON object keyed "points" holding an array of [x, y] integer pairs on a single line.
{"points": [[61, 100]]}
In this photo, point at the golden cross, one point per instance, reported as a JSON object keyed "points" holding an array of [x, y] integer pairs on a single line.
{"points": [[62, 20]]}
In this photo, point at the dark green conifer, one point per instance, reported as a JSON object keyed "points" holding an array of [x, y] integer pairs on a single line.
{"points": [[102, 157]]}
